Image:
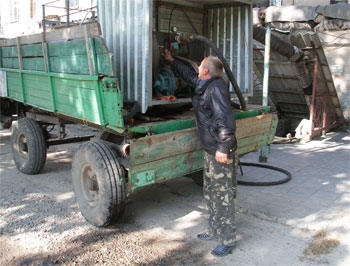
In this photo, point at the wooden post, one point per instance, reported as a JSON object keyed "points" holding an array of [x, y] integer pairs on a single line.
{"points": [[91, 60], [44, 51], [19, 53], [313, 100]]}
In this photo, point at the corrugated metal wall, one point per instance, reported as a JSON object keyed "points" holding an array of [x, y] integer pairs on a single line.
{"points": [[231, 29], [126, 28]]}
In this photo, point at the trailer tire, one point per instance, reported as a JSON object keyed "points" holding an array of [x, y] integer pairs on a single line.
{"points": [[28, 146], [99, 183], [6, 124]]}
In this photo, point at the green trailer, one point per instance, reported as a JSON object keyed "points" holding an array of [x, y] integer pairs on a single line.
{"points": [[70, 76]]}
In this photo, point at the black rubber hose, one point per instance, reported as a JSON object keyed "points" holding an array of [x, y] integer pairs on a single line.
{"points": [[268, 183], [197, 177], [287, 49], [277, 44], [226, 67]]}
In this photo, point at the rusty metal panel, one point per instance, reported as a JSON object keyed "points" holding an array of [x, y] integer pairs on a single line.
{"points": [[230, 28], [127, 30]]}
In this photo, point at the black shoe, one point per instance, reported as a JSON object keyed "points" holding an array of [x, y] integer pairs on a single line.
{"points": [[207, 237], [221, 251]]}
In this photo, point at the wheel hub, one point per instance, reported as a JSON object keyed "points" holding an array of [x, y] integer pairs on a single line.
{"points": [[89, 184], [22, 146]]}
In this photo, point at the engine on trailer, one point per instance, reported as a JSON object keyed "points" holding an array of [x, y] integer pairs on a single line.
{"points": [[167, 85]]}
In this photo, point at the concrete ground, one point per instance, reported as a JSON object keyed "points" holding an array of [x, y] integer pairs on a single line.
{"points": [[303, 222], [305, 217]]}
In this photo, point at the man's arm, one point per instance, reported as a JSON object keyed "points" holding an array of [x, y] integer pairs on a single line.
{"points": [[187, 73]]}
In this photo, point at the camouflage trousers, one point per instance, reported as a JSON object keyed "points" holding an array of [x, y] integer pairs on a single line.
{"points": [[219, 187]]}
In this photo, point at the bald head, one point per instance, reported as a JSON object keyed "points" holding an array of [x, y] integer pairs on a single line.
{"points": [[214, 66]]}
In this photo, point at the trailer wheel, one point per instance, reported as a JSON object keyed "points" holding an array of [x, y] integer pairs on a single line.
{"points": [[99, 183], [28, 146], [5, 123]]}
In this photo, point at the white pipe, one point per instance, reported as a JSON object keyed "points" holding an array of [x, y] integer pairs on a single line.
{"points": [[266, 66]]}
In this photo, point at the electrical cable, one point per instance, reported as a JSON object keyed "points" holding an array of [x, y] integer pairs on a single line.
{"points": [[188, 18]]}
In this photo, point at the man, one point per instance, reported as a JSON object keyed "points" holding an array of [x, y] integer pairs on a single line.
{"points": [[216, 128]]}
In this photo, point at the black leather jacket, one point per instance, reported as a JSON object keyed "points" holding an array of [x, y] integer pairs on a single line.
{"points": [[211, 101]]}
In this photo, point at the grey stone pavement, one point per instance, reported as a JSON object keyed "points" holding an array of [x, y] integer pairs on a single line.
{"points": [[316, 200]]}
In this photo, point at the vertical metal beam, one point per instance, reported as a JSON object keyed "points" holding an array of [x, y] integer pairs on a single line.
{"points": [[43, 20], [231, 43], [266, 66], [239, 45], [263, 150], [67, 10], [248, 37]]}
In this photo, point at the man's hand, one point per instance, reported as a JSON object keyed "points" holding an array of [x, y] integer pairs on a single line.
{"points": [[221, 157], [167, 55]]}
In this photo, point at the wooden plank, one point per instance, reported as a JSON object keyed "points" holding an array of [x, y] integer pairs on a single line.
{"points": [[105, 64], [67, 48], [180, 164], [8, 52], [32, 50], [88, 56], [165, 168], [252, 143], [94, 29], [36, 64], [88, 53], [10, 63], [100, 46], [152, 148], [77, 64]]}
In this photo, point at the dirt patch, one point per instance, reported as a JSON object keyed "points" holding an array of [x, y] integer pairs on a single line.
{"points": [[321, 244]]}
